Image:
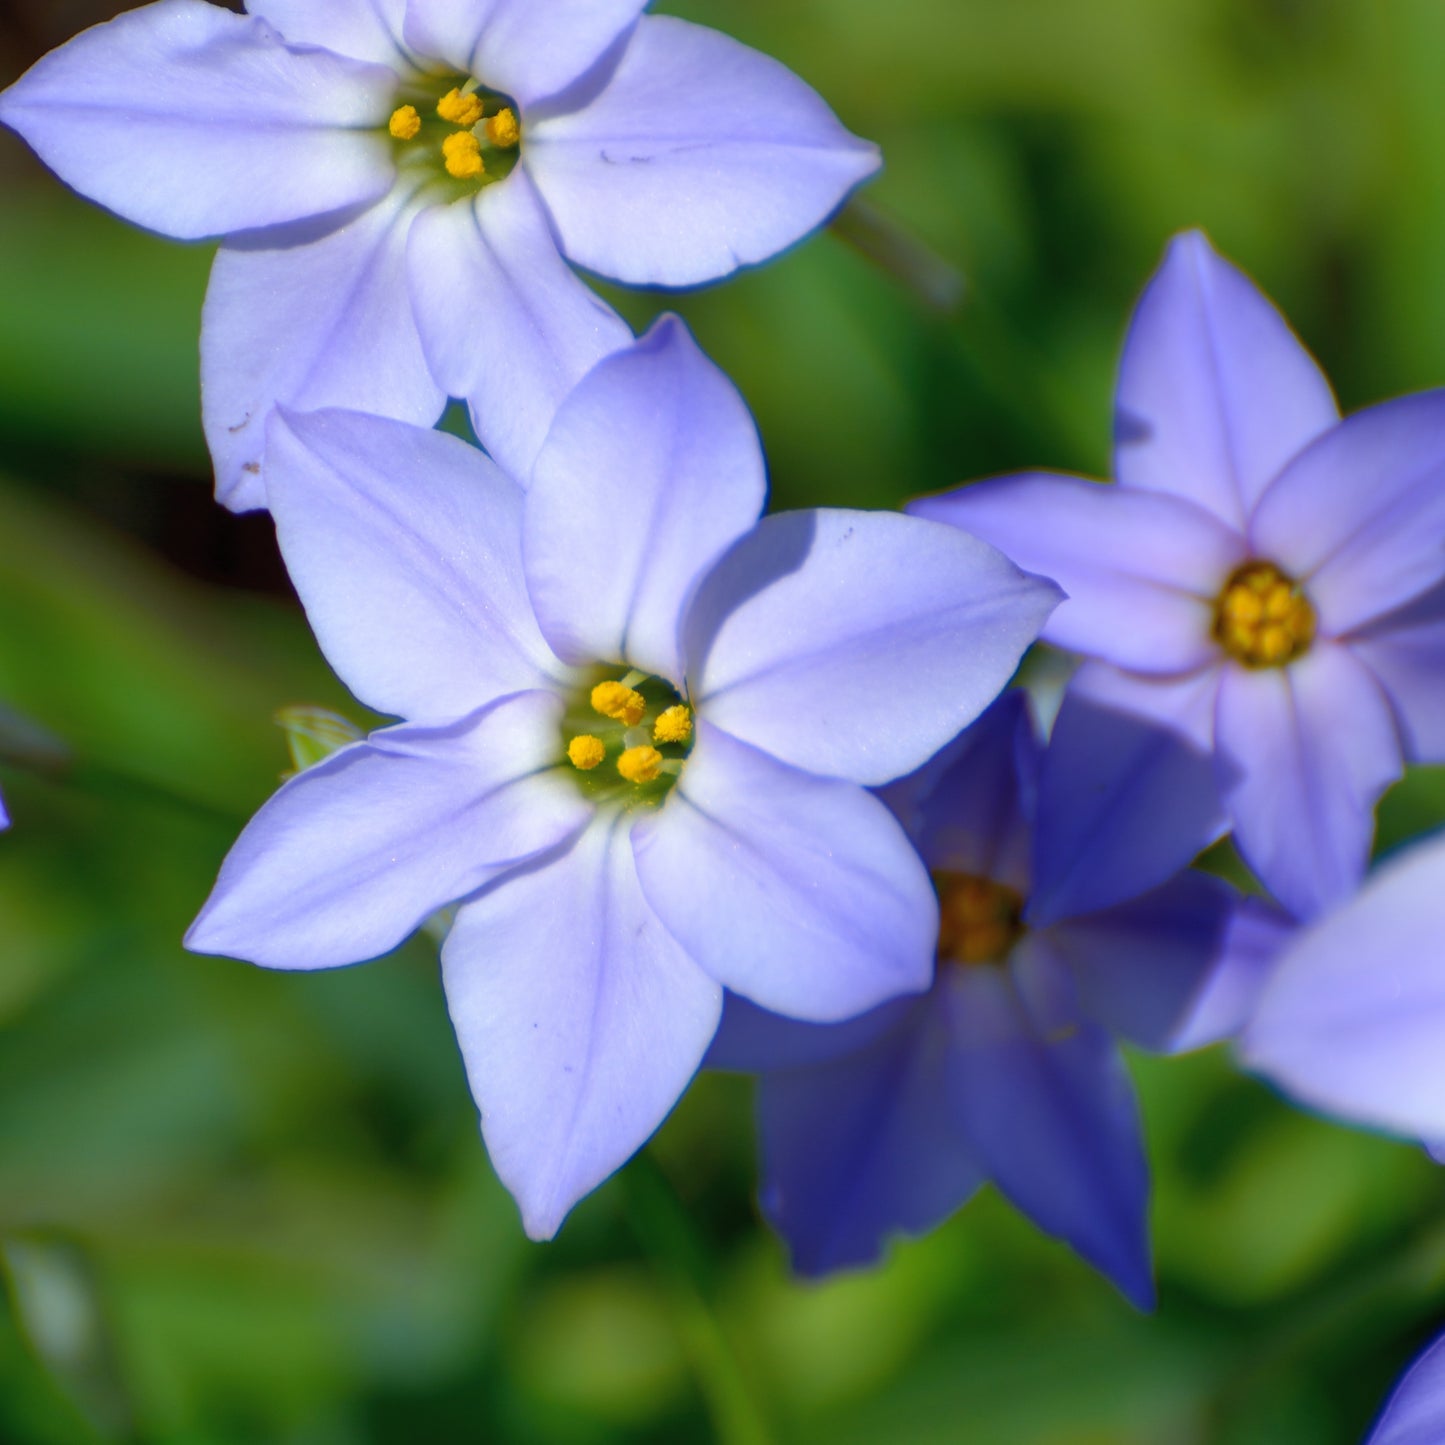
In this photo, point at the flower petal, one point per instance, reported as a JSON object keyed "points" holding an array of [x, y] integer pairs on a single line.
{"points": [[1353, 1019], [504, 321], [751, 1040], [1216, 393], [314, 316], [527, 50], [361, 29], [1359, 517], [1047, 1108], [798, 892], [1141, 967], [353, 854], [651, 470], [699, 155], [1406, 652], [1415, 1414], [862, 1148], [1140, 572], [580, 1020], [857, 643], [405, 546], [1311, 747], [192, 121], [1125, 801], [970, 808]]}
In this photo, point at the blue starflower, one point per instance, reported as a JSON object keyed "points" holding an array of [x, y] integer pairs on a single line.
{"points": [[398, 182], [640, 730], [1352, 1018], [1415, 1412], [1006, 1069], [1266, 579]]}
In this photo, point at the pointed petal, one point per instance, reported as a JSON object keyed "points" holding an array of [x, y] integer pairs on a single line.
{"points": [[314, 316], [1125, 801], [698, 156], [970, 808], [1140, 572], [1359, 516], [863, 1148], [1141, 967], [580, 1020], [798, 892], [751, 1040], [1406, 652], [192, 121], [353, 854], [1352, 1020], [1415, 1414], [1047, 1108], [651, 471], [527, 50], [361, 29], [1216, 393], [405, 546], [857, 643], [1311, 746], [504, 321]]}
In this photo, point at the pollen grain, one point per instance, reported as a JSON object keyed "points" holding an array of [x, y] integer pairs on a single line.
{"points": [[503, 130], [640, 765], [459, 109], [463, 152], [673, 726], [405, 123], [620, 702], [585, 752]]}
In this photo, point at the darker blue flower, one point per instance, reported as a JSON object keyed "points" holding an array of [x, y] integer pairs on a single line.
{"points": [[1007, 1070], [1415, 1412]]}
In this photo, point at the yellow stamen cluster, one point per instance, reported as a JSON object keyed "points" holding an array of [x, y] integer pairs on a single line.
{"points": [[463, 154], [503, 130], [620, 702], [1263, 618], [585, 752], [673, 726], [459, 109], [405, 123], [640, 765], [979, 920]]}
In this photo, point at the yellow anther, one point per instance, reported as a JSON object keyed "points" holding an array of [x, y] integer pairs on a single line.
{"points": [[463, 152], [585, 752], [1262, 618], [615, 700], [673, 726], [978, 920], [640, 765], [460, 109], [405, 123], [503, 130]]}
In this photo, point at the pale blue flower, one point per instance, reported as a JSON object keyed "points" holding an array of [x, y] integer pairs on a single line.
{"points": [[366, 263], [640, 730]]}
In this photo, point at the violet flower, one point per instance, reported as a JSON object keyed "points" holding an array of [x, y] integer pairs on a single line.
{"points": [[398, 182], [1415, 1412], [1265, 578], [1007, 1069], [640, 730]]}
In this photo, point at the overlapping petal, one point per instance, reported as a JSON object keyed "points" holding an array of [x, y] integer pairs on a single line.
{"points": [[855, 644], [580, 1019], [1310, 747], [1046, 1108], [193, 121], [1140, 571], [752, 1040], [337, 294], [1415, 1414], [798, 892], [1353, 1018], [1215, 391], [863, 1148], [698, 156], [405, 546], [1406, 652], [525, 49], [352, 855], [651, 470], [504, 321], [362, 29], [1360, 515]]}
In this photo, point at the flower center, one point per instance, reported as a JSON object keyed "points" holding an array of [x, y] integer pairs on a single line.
{"points": [[627, 738], [979, 921], [1262, 617], [470, 133]]}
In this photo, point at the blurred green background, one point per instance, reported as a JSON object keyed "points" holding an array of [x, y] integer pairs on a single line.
{"points": [[244, 1207]]}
